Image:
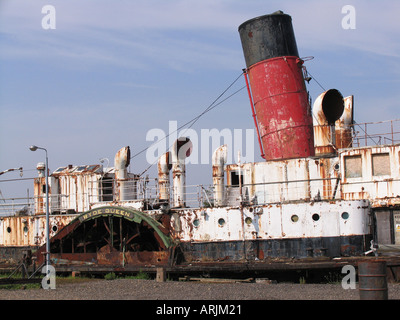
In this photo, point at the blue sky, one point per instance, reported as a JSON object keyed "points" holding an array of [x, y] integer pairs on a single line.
{"points": [[112, 71]]}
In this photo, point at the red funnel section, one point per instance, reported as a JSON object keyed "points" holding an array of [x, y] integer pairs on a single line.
{"points": [[277, 85]]}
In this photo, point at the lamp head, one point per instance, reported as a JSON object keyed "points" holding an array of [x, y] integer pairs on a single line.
{"points": [[33, 148]]}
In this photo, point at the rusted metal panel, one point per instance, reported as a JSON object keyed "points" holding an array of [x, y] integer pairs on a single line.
{"points": [[322, 140], [219, 160], [30, 230], [384, 234], [39, 190], [290, 180], [344, 126], [181, 149], [375, 176], [125, 185], [269, 252], [282, 108], [75, 259], [78, 187], [18, 230], [136, 205], [56, 222], [327, 110], [121, 162], [278, 221], [164, 167], [40, 202], [322, 130], [300, 229], [129, 258]]}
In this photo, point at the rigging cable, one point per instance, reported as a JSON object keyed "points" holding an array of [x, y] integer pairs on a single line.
{"points": [[213, 105], [316, 81]]}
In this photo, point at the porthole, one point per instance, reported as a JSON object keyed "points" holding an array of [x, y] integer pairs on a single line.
{"points": [[8, 229], [248, 220], [345, 215], [315, 216], [221, 222], [196, 222], [294, 218], [54, 228]]}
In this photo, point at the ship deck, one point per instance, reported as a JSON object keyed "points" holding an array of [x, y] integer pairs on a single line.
{"points": [[277, 267]]}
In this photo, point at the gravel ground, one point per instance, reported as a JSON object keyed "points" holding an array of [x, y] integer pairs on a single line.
{"points": [[133, 289]]}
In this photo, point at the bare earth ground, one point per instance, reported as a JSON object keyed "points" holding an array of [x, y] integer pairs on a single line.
{"points": [[134, 289]]}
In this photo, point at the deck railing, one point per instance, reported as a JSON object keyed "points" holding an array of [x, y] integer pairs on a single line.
{"points": [[148, 190], [376, 133], [147, 194]]}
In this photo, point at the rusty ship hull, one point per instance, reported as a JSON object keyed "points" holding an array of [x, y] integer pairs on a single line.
{"points": [[319, 199]]}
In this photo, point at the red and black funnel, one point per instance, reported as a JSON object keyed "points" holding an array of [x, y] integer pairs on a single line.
{"points": [[278, 89]]}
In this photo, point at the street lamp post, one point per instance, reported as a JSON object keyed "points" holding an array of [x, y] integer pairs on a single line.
{"points": [[34, 148]]}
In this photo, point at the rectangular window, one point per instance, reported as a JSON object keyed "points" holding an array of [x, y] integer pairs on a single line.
{"points": [[353, 166], [235, 179], [380, 164], [107, 189]]}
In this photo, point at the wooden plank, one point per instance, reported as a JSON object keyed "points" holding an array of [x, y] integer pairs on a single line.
{"points": [[216, 280]]}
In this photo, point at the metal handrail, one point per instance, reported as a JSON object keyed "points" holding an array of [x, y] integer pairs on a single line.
{"points": [[196, 195], [369, 136]]}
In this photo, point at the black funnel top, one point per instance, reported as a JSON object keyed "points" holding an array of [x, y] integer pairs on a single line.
{"points": [[267, 37]]}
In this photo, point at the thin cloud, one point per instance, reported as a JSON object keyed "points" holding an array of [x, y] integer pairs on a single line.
{"points": [[135, 85], [133, 34], [319, 25]]}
